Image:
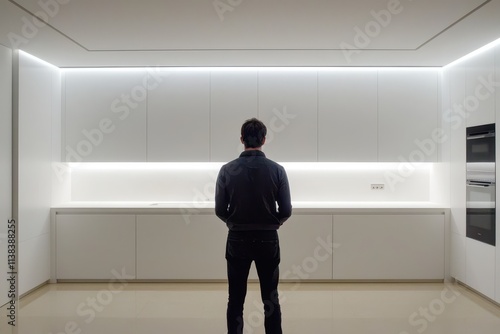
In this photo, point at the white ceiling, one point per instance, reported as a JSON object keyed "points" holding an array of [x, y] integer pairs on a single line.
{"points": [[249, 32]]}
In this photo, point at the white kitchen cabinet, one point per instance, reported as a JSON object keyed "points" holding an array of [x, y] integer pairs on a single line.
{"points": [[37, 84], [181, 247], [34, 262], [34, 147], [306, 244], [348, 116], [179, 117], [104, 115], [497, 273], [457, 257], [288, 105], [173, 247], [480, 267], [457, 122], [92, 246], [497, 266], [444, 151], [388, 247], [479, 101], [234, 98], [408, 111]]}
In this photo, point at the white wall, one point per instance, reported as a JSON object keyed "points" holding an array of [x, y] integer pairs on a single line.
{"points": [[5, 162], [37, 81]]}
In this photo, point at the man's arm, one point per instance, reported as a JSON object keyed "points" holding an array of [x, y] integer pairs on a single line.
{"points": [[284, 198], [221, 200]]}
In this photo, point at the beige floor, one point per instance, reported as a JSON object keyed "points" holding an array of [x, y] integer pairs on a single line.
{"points": [[308, 308]]}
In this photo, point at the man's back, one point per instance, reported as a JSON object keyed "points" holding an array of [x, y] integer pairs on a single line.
{"points": [[248, 191]]}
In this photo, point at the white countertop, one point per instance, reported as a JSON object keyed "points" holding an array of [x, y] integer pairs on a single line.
{"points": [[208, 207]]}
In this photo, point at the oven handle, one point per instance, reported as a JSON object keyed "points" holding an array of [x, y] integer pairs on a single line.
{"points": [[480, 136], [480, 184]]}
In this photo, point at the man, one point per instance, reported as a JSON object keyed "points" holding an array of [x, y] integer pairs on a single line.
{"points": [[252, 197]]}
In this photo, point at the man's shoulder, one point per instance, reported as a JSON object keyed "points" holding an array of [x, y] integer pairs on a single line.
{"points": [[231, 165], [274, 163], [232, 162]]}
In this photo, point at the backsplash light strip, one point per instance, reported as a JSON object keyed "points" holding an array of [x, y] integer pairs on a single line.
{"points": [[305, 166]]}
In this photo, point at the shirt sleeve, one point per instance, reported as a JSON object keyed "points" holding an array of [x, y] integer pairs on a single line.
{"points": [[221, 197], [284, 199]]}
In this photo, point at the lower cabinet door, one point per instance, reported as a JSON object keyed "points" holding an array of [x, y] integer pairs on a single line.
{"points": [[92, 246], [306, 248], [480, 267], [457, 257], [388, 247], [175, 248]]}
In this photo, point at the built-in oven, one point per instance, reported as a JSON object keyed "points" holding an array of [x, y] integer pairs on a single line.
{"points": [[481, 199], [481, 143], [481, 184]]}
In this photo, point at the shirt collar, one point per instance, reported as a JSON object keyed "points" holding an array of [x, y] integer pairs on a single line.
{"points": [[252, 153]]}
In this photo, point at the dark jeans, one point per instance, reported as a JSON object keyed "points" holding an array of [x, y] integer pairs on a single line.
{"points": [[241, 249]]}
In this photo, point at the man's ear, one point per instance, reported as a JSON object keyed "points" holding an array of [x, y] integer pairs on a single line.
{"points": [[263, 141], [241, 139]]}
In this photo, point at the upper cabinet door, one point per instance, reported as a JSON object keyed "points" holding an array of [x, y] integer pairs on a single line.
{"points": [[347, 123], [408, 112], [105, 115], [288, 105], [178, 117], [234, 98], [456, 121], [479, 101]]}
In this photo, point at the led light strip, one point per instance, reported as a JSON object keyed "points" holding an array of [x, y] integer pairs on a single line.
{"points": [[30, 56], [250, 69], [474, 53], [296, 166]]}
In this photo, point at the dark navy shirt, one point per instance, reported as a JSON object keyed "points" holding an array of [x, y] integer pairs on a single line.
{"points": [[252, 193]]}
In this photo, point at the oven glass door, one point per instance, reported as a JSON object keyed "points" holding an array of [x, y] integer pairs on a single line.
{"points": [[481, 212], [481, 143], [481, 149], [481, 225]]}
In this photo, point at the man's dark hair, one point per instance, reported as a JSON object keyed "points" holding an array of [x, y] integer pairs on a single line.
{"points": [[253, 133]]}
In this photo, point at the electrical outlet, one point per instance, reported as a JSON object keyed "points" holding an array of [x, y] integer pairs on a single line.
{"points": [[378, 186]]}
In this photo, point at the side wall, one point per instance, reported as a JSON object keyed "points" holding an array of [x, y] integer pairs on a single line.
{"points": [[38, 84], [5, 162]]}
